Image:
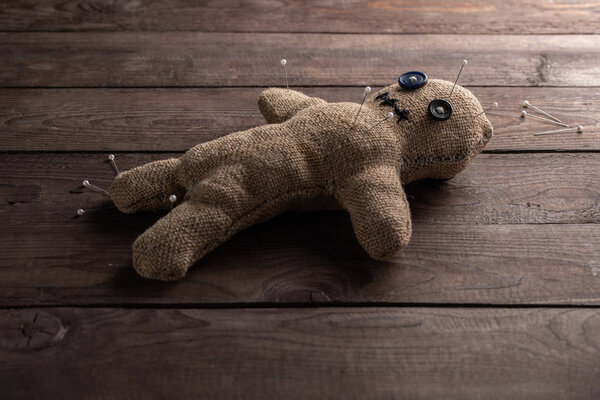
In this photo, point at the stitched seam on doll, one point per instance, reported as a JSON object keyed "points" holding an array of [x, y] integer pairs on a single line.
{"points": [[420, 161]]}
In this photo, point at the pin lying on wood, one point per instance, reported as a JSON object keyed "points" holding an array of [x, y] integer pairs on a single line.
{"points": [[526, 104], [578, 128], [525, 114]]}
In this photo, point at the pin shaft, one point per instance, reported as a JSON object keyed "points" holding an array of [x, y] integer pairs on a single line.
{"points": [[87, 184], [544, 119], [458, 76], [284, 62], [578, 128], [494, 105], [367, 91], [111, 158], [388, 116], [529, 105]]}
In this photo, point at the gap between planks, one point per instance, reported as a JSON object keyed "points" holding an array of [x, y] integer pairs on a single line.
{"points": [[219, 59], [460, 353], [390, 18]]}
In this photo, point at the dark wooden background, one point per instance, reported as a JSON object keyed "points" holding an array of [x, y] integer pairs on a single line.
{"points": [[496, 297]]}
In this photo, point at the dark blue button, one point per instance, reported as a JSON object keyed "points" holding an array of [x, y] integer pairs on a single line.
{"points": [[412, 80], [440, 109]]}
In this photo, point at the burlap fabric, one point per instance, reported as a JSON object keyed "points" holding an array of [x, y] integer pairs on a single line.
{"points": [[309, 156]]}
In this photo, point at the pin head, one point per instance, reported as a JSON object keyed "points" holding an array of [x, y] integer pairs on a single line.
{"points": [[389, 115], [111, 157], [525, 104], [172, 198], [368, 89], [80, 211], [580, 129], [85, 183], [283, 61], [523, 114], [494, 105], [412, 80]]}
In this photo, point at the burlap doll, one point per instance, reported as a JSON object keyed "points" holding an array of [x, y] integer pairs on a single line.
{"points": [[310, 155]]}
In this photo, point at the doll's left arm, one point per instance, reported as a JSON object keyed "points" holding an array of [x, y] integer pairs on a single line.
{"points": [[378, 208], [278, 105]]}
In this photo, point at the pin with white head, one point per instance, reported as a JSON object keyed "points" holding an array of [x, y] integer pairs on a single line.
{"points": [[80, 211], [578, 128], [87, 184], [111, 158], [527, 104], [389, 115], [464, 62], [494, 105], [367, 91], [284, 62], [172, 199], [525, 114]]}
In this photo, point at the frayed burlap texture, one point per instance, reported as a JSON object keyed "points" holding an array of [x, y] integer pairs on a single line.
{"points": [[309, 156]]}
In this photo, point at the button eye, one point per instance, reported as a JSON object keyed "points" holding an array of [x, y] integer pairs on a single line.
{"points": [[412, 80], [440, 109]]}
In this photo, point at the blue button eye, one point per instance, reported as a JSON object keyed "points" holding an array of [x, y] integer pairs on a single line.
{"points": [[412, 80]]}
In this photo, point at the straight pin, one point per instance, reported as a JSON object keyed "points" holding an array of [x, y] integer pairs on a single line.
{"points": [[494, 105], [111, 158], [172, 200], [579, 130], [87, 184], [464, 62], [389, 115], [526, 104], [367, 91], [283, 62], [80, 211], [526, 114]]}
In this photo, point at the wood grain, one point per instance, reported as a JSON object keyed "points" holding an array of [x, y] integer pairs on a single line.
{"points": [[351, 353], [494, 189], [512, 228], [431, 16], [89, 59], [177, 119]]}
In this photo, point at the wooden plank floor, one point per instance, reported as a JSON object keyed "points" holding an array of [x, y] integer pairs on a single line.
{"points": [[496, 297]]}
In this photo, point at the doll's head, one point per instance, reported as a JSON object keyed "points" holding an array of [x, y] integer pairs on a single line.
{"points": [[439, 132]]}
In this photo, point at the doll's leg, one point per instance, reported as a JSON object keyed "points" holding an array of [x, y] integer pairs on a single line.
{"points": [[218, 207], [171, 246], [278, 105], [378, 208]]}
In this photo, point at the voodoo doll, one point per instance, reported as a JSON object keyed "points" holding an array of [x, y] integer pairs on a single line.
{"points": [[310, 155]]}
